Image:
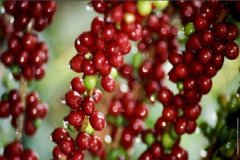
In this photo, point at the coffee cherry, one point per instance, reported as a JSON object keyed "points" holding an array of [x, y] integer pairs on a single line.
{"points": [[232, 50], [96, 144], [88, 106], [73, 99], [77, 155], [180, 153], [169, 113], [146, 155], [75, 118], [90, 82], [167, 141], [13, 149], [108, 83], [204, 84], [83, 141], [28, 154], [57, 153], [189, 29], [58, 134], [4, 109], [160, 4], [144, 7], [127, 138], [67, 145], [180, 125], [97, 121], [165, 96], [156, 150], [77, 85]]}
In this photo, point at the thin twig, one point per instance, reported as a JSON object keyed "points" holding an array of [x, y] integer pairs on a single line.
{"points": [[21, 118]]}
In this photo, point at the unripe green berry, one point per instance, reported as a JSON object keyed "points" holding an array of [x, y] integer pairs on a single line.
{"points": [[149, 139], [180, 86], [15, 69], [189, 29], [137, 60], [167, 141], [119, 120], [160, 4], [144, 7], [37, 123], [90, 82]]}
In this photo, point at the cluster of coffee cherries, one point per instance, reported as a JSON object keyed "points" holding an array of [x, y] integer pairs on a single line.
{"points": [[68, 148], [209, 40], [11, 105], [124, 108], [15, 150], [39, 12], [100, 55], [25, 55], [82, 121]]}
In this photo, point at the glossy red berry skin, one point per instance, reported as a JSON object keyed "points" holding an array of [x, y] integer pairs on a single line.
{"points": [[180, 153], [57, 153], [67, 145], [180, 125], [83, 141], [97, 121], [58, 134], [165, 96], [169, 113], [88, 106], [75, 118], [204, 84], [156, 150], [73, 99], [77, 155], [108, 83], [13, 149], [96, 144], [77, 85], [4, 109], [127, 138], [28, 154]]}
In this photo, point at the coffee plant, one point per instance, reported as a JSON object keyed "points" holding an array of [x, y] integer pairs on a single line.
{"points": [[134, 56]]}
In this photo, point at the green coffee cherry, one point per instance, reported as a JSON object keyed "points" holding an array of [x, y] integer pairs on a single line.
{"points": [[137, 60], [149, 139], [90, 82], [37, 123], [189, 29], [116, 153], [167, 141], [180, 86], [114, 73], [144, 7], [15, 69], [119, 120], [160, 4]]}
